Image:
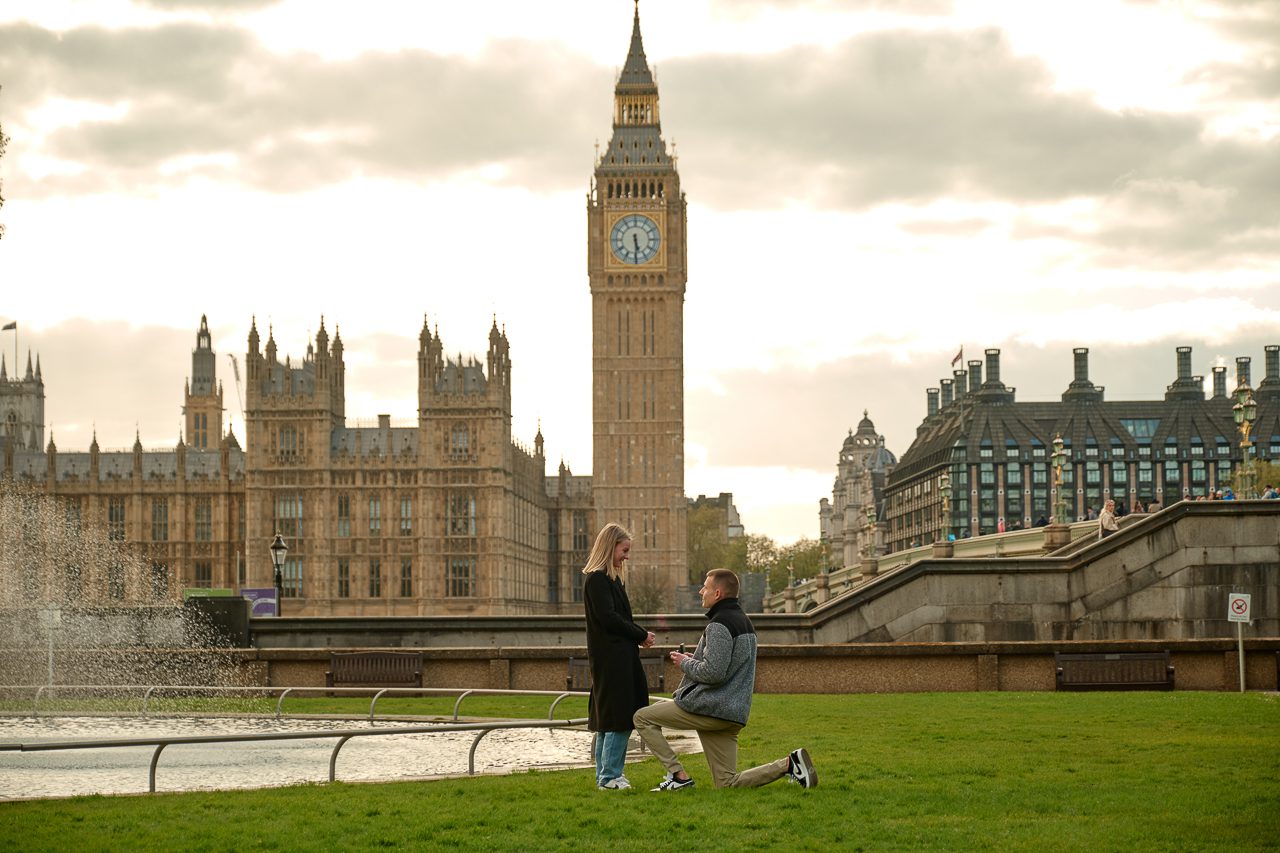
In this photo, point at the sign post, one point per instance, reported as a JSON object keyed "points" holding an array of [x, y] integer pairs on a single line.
{"points": [[1238, 612]]}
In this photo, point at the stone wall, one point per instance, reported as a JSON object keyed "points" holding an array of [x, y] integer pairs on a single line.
{"points": [[849, 668]]}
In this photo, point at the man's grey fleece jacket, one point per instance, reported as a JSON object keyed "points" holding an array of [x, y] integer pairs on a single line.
{"points": [[719, 678]]}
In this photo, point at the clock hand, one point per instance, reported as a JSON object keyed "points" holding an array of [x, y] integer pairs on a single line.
{"points": [[635, 241]]}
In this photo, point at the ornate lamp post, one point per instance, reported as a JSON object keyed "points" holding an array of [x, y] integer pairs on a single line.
{"points": [[278, 551], [1059, 460], [1245, 412], [944, 489]]}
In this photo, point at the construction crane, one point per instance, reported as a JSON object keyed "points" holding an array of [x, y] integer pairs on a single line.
{"points": [[235, 370]]}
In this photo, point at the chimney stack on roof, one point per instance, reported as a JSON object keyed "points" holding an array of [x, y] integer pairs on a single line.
{"points": [[1220, 382], [1242, 370], [1081, 388], [1269, 388], [946, 391], [975, 376], [932, 394], [1186, 386]]}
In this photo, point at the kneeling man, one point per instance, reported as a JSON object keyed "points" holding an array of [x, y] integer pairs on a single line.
{"points": [[714, 699]]}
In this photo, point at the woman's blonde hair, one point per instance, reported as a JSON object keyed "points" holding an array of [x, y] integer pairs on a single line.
{"points": [[601, 558]]}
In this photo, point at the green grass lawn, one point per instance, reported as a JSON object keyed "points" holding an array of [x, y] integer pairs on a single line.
{"points": [[945, 771]]}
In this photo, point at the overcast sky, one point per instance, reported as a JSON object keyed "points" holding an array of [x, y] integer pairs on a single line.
{"points": [[872, 184]]}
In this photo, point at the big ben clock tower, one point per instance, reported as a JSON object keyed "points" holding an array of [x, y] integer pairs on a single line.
{"points": [[636, 265]]}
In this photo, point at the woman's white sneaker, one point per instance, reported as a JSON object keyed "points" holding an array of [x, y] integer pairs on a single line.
{"points": [[618, 784]]}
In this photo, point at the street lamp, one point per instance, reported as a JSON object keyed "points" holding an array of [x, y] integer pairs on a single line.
{"points": [[944, 489], [1059, 460], [1245, 411], [278, 551]]}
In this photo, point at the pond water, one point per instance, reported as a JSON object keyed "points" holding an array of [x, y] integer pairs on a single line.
{"points": [[188, 767]]}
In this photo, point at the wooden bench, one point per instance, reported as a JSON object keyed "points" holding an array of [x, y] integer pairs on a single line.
{"points": [[1114, 671], [374, 669], [579, 677]]}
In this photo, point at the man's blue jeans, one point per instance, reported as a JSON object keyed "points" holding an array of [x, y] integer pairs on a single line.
{"points": [[610, 755]]}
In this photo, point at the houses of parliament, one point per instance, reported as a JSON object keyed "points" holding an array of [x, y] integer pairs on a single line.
{"points": [[451, 516]]}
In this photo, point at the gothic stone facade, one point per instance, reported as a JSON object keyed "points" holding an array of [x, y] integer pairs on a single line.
{"points": [[449, 515], [861, 474]]}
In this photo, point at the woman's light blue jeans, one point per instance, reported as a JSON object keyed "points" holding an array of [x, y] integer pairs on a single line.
{"points": [[610, 755]]}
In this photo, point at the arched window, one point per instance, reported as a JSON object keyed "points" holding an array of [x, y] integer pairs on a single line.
{"points": [[459, 441]]}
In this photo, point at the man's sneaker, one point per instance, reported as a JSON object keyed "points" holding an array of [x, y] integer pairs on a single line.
{"points": [[671, 783], [800, 769], [618, 784]]}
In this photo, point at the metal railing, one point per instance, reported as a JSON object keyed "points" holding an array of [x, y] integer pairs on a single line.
{"points": [[1013, 543], [343, 736], [151, 690]]}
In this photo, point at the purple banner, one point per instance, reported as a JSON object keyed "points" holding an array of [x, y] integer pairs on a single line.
{"points": [[262, 601]]}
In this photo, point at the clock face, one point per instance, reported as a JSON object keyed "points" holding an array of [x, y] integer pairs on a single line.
{"points": [[635, 239]]}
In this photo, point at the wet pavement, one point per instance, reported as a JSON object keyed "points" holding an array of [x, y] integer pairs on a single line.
{"points": [[188, 767]]}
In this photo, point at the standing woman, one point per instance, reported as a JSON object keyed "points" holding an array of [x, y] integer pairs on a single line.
{"points": [[618, 686]]}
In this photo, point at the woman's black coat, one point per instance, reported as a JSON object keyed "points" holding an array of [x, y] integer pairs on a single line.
{"points": [[618, 686]]}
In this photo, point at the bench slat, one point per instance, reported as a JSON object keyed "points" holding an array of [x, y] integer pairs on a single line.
{"points": [[374, 669], [579, 677], [1114, 671]]}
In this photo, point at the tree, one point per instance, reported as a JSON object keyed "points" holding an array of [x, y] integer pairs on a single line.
{"points": [[801, 559], [1265, 473], [644, 592], [761, 552], [707, 541]]}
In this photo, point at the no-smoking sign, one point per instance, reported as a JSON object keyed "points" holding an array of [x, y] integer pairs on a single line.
{"points": [[1238, 607]]}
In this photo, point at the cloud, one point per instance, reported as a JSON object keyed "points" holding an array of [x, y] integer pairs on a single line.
{"points": [[207, 5], [116, 379], [747, 8], [1253, 25], [901, 116], [890, 116], [909, 116], [967, 227], [809, 412], [285, 123]]}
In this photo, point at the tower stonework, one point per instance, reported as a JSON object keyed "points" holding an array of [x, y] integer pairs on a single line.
{"points": [[291, 411], [22, 407], [202, 400], [636, 262]]}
